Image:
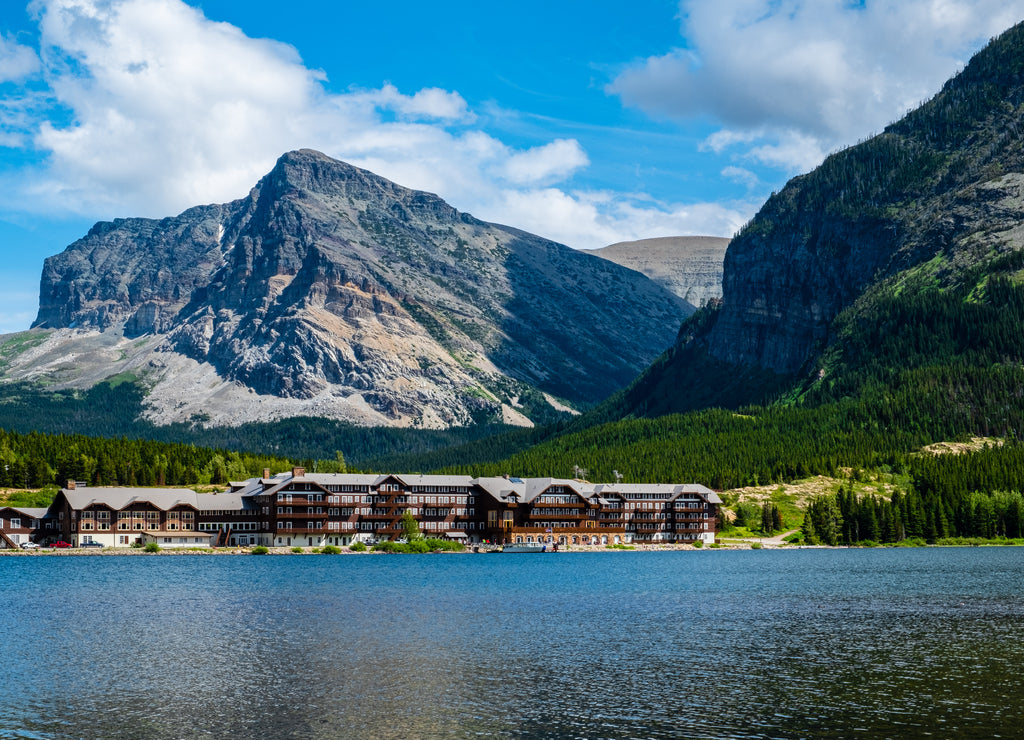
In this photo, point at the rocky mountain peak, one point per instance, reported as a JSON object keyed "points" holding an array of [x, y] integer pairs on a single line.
{"points": [[364, 300]]}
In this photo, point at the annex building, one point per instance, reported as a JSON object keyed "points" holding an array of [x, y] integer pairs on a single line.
{"points": [[304, 509]]}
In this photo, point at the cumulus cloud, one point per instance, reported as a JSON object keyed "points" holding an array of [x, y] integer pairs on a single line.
{"points": [[595, 219], [16, 61], [154, 108], [430, 102], [790, 80], [551, 162]]}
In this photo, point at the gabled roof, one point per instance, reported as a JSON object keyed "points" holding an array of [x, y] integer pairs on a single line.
{"points": [[32, 512], [343, 479], [674, 490], [435, 480], [499, 488], [537, 486], [121, 498], [164, 499]]}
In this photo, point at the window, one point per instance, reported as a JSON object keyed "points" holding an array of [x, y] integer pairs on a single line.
{"points": [[15, 523]]}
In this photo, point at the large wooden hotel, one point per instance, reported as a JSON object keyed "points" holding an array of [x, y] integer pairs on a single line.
{"points": [[304, 509]]}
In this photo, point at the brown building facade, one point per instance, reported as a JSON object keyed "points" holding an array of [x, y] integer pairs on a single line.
{"points": [[309, 509]]}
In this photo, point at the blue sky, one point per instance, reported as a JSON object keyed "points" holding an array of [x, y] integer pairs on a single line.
{"points": [[586, 122]]}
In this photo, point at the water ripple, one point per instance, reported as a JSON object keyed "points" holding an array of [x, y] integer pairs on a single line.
{"points": [[823, 644]]}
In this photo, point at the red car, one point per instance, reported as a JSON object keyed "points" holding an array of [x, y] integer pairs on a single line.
{"points": [[60, 543]]}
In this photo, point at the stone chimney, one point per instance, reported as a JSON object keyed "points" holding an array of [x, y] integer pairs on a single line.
{"points": [[71, 485], [266, 473], [298, 472]]}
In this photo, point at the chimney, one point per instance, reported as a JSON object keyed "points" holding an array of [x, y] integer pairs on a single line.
{"points": [[298, 472], [71, 485], [266, 473]]}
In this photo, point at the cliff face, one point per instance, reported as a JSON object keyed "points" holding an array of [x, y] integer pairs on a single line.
{"points": [[942, 182], [689, 266], [930, 209], [382, 304]]}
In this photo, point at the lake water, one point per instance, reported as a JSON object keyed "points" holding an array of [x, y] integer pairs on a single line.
{"points": [[701, 644]]}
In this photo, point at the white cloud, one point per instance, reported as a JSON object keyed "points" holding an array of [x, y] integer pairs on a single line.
{"points": [[741, 175], [595, 219], [169, 109], [804, 77], [548, 163], [16, 61]]}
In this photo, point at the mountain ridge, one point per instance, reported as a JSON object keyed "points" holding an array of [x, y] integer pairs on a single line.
{"points": [[916, 208], [353, 297], [689, 266]]}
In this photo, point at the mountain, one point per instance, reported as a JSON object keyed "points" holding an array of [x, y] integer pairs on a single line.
{"points": [[902, 251], [330, 291], [689, 266]]}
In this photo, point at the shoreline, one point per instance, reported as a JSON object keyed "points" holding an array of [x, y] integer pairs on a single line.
{"points": [[279, 551]]}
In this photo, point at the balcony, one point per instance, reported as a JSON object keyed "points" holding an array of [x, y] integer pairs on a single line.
{"points": [[301, 515]]}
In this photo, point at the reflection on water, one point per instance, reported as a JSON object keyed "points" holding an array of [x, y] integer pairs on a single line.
{"points": [[832, 644]]}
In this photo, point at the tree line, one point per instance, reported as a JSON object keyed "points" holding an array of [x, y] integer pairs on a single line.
{"points": [[36, 460]]}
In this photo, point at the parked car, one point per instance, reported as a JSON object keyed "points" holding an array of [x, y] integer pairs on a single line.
{"points": [[29, 546], [91, 544], [60, 543]]}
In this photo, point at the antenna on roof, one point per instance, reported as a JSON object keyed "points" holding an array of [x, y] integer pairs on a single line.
{"points": [[618, 476]]}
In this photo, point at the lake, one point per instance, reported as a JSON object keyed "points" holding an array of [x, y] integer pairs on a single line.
{"points": [[701, 644]]}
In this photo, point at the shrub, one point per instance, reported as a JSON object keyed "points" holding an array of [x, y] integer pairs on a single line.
{"points": [[331, 550], [447, 545], [698, 544], [755, 546], [315, 550], [357, 546], [260, 550], [296, 549], [152, 547]]}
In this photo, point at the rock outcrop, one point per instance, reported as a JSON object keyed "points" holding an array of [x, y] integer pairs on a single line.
{"points": [[942, 181], [931, 207], [381, 304], [689, 266]]}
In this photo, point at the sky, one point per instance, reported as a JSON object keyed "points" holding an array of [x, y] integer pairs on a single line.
{"points": [[587, 122]]}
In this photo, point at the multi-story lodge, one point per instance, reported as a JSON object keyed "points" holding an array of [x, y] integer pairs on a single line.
{"points": [[20, 524], [311, 509]]}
